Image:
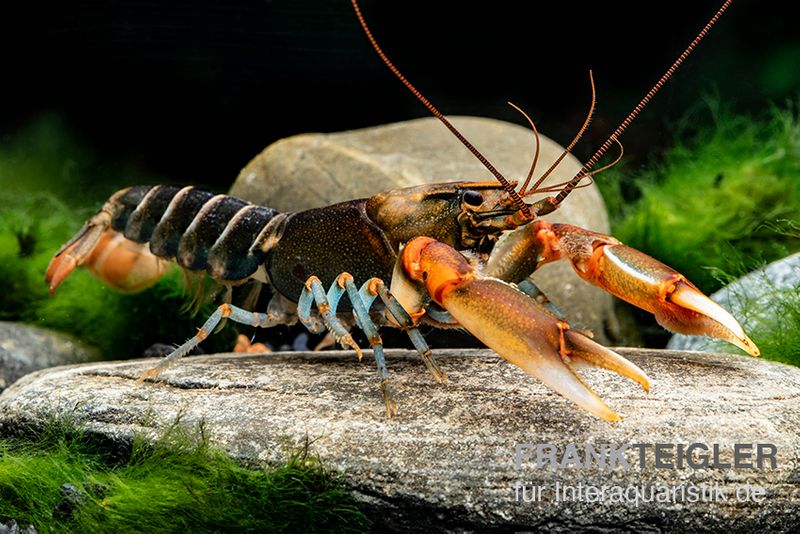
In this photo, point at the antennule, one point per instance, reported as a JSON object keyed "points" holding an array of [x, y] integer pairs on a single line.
{"points": [[535, 154], [543, 177]]}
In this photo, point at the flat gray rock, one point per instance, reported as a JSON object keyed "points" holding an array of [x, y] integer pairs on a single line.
{"points": [[316, 169], [448, 460], [25, 348]]}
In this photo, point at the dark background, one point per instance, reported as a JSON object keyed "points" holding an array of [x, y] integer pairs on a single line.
{"points": [[190, 91]]}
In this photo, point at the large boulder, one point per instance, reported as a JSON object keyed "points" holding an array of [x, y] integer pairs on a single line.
{"points": [[462, 456], [25, 348], [316, 169]]}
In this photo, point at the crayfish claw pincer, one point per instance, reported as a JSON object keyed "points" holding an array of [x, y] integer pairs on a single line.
{"points": [[517, 329], [641, 280]]}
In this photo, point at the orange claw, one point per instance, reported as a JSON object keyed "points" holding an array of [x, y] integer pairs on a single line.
{"points": [[513, 325], [641, 280]]}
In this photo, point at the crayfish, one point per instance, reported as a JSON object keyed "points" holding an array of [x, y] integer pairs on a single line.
{"points": [[413, 240]]}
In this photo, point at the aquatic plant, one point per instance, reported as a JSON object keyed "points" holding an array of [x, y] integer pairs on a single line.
{"points": [[718, 199], [63, 479]]}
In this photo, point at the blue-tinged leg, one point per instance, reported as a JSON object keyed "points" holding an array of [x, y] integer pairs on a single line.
{"points": [[377, 287], [225, 311], [313, 290], [361, 312], [532, 290], [312, 323], [442, 317]]}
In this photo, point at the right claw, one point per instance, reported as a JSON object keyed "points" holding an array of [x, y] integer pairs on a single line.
{"points": [[516, 328], [531, 339], [622, 271]]}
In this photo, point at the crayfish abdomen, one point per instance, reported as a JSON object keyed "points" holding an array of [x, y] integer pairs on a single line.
{"points": [[200, 230]]}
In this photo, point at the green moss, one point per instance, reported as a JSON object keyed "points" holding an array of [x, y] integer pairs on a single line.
{"points": [[778, 338], [178, 484], [715, 202]]}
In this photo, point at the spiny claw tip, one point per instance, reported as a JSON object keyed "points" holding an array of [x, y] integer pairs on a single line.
{"points": [[688, 297], [642, 379], [747, 345]]}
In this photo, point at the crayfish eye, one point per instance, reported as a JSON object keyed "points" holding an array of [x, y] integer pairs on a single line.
{"points": [[473, 198]]}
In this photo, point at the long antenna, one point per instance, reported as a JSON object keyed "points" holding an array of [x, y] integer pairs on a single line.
{"points": [[632, 115], [436, 113]]}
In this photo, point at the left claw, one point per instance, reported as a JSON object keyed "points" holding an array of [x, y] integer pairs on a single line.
{"points": [[640, 280], [517, 328]]}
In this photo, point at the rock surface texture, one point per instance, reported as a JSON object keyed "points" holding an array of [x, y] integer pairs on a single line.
{"points": [[447, 462], [25, 348], [313, 170], [751, 300]]}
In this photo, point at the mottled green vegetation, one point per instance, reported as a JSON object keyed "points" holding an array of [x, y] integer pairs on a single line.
{"points": [[723, 201], [774, 323], [45, 196], [179, 484], [779, 339]]}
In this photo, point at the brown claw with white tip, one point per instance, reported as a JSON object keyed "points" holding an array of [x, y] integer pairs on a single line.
{"points": [[696, 314]]}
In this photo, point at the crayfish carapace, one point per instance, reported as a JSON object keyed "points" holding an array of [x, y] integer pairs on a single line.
{"points": [[413, 237]]}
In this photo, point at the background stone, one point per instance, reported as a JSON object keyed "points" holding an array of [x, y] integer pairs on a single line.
{"points": [[25, 348], [447, 460], [313, 170]]}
